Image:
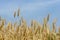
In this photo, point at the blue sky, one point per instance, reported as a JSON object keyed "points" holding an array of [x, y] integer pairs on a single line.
{"points": [[31, 9]]}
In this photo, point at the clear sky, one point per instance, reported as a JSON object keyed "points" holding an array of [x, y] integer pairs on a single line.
{"points": [[31, 9]]}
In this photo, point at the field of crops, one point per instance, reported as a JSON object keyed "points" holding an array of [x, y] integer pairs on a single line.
{"points": [[36, 31]]}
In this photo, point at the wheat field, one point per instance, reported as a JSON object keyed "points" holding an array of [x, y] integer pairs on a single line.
{"points": [[36, 31]]}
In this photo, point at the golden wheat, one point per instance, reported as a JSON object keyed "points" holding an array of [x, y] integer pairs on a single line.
{"points": [[36, 31]]}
